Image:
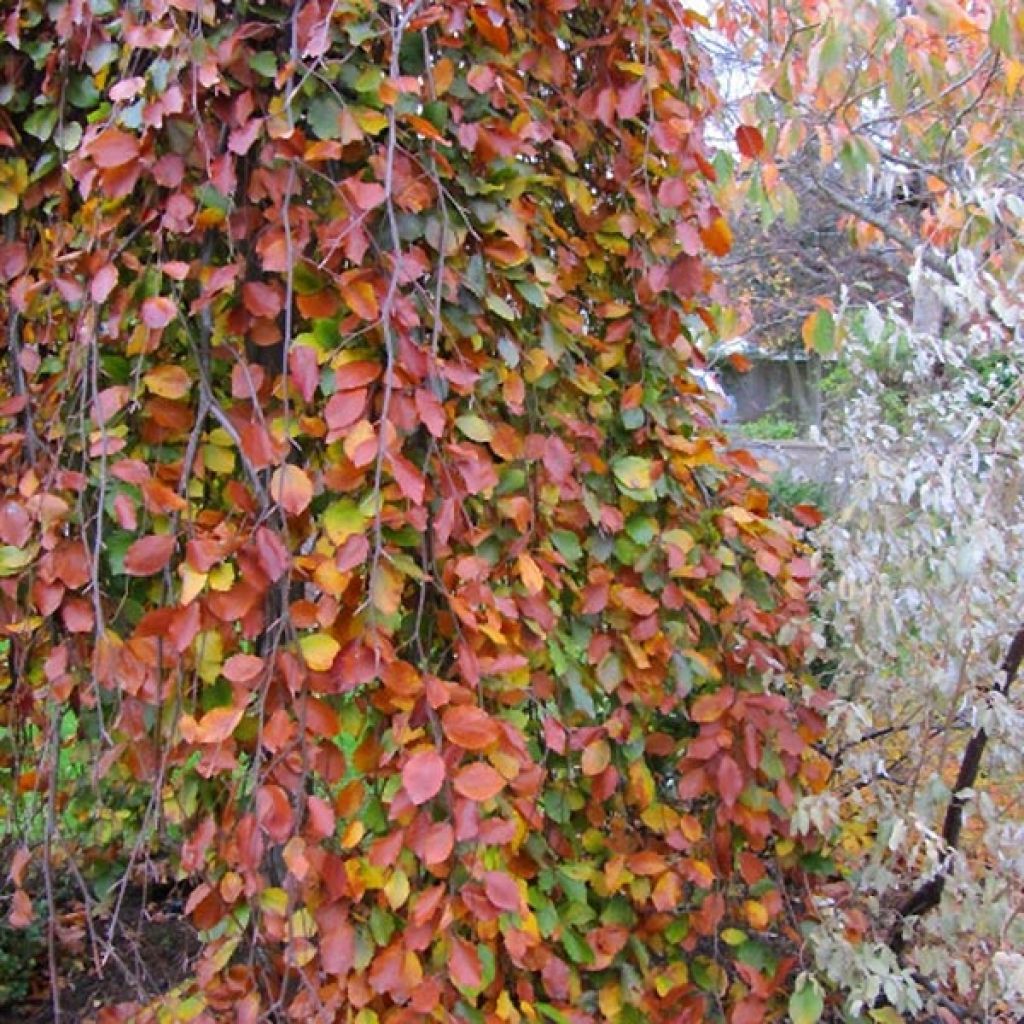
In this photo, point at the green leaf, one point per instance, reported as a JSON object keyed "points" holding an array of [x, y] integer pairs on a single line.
{"points": [[567, 544], [729, 585], [40, 123], [324, 116], [475, 428], [264, 63], [342, 519], [1001, 32], [819, 332], [577, 948], [82, 92], [633, 472], [807, 1003], [533, 293], [496, 304], [13, 560]]}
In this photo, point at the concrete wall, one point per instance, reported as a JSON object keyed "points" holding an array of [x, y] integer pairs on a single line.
{"points": [[805, 460], [788, 388]]}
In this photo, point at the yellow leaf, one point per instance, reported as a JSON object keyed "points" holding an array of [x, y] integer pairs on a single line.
{"points": [[211, 655], [352, 835], [319, 650], [192, 582], [386, 589], [218, 459], [1014, 73], [371, 121], [530, 574], [396, 891], [274, 901], [168, 381]]}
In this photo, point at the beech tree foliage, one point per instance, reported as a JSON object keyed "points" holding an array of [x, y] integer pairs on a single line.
{"points": [[368, 547]]}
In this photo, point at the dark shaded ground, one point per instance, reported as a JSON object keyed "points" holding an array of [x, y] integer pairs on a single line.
{"points": [[152, 951]]}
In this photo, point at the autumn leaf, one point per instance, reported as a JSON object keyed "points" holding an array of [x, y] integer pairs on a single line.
{"points": [[158, 311], [291, 488], [423, 774], [113, 148], [148, 555], [478, 782], [216, 726], [319, 650], [469, 727], [749, 141]]}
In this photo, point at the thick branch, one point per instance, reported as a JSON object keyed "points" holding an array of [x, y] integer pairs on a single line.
{"points": [[927, 896], [893, 233]]}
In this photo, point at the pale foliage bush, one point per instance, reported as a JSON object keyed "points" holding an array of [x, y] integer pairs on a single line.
{"points": [[925, 594]]}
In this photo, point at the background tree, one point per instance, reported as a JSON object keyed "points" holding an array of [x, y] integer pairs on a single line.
{"points": [[367, 545], [906, 120]]}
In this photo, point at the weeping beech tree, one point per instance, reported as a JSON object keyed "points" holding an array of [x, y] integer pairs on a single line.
{"points": [[369, 553]]}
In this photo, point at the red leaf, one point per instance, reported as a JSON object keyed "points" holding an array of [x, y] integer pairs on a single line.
{"points": [[711, 706], [356, 375], [15, 524], [730, 780], [748, 1011], [431, 411], [304, 370], [365, 194], [242, 668], [470, 727], [438, 843], [343, 409], [502, 891], [158, 311], [113, 148], [262, 300], [338, 948], [274, 812], [148, 555], [423, 775], [464, 965], [410, 480], [750, 141], [103, 283], [557, 459], [478, 782], [272, 553]]}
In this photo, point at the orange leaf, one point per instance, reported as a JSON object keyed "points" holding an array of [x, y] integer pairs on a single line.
{"points": [[291, 489], [478, 782], [596, 757], [22, 913], [711, 706], [359, 295], [217, 725], [469, 727], [717, 236], [530, 574]]}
